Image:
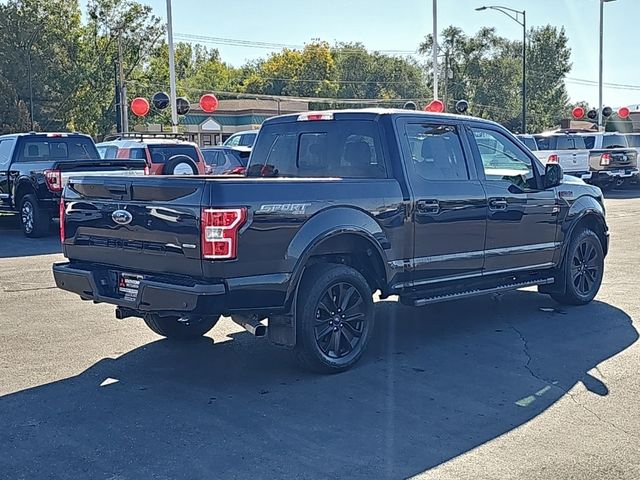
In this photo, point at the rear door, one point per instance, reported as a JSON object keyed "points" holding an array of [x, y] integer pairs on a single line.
{"points": [[449, 208], [522, 216], [6, 152]]}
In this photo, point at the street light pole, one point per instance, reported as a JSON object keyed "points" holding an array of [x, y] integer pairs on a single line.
{"points": [[435, 49], [600, 63], [524, 71], [172, 71], [514, 15]]}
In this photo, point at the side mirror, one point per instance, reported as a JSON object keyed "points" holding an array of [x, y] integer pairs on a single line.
{"points": [[552, 175]]}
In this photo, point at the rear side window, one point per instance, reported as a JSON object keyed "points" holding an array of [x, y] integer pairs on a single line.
{"points": [[138, 153], [46, 149], [212, 157], [163, 153], [590, 141], [436, 152], [340, 148]]}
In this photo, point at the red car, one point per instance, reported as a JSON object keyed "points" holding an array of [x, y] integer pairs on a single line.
{"points": [[164, 155]]}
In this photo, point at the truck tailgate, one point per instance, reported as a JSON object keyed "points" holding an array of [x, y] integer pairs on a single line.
{"points": [[99, 167], [135, 224]]}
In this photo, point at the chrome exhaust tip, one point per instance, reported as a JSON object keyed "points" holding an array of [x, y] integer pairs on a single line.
{"points": [[251, 324]]}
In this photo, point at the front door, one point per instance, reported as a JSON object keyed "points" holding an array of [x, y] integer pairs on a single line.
{"points": [[523, 216], [449, 206]]}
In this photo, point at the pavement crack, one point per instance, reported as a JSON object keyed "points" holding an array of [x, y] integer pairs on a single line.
{"points": [[527, 366]]}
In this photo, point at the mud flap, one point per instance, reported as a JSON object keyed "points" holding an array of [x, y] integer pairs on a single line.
{"points": [[282, 330]]}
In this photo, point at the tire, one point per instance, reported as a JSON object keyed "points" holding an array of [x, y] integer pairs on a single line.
{"points": [[35, 221], [583, 269], [180, 165], [177, 328], [322, 328]]}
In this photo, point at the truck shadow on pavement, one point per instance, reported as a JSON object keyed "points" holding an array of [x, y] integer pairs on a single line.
{"points": [[434, 384], [13, 243]]}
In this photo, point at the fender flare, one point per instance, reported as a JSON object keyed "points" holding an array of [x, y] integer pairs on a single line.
{"points": [[328, 224]]}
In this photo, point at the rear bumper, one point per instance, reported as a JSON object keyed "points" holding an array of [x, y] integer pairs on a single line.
{"points": [[618, 173], [581, 175], [153, 295], [176, 295]]}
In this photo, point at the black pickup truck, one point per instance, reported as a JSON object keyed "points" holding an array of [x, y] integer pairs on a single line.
{"points": [[334, 207], [35, 166]]}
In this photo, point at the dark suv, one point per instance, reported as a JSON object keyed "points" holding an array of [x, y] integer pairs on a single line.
{"points": [[226, 159]]}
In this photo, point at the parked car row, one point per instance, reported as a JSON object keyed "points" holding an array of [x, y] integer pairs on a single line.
{"points": [[605, 159]]}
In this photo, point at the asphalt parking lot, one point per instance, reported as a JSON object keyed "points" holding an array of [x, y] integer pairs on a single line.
{"points": [[489, 388]]}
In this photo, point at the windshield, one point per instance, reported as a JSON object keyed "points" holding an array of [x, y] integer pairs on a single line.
{"points": [[529, 142], [560, 142], [241, 157], [39, 148], [614, 141], [162, 153]]}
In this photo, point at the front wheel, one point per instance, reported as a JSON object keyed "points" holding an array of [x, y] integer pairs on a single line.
{"points": [[178, 328], [334, 318], [583, 269]]}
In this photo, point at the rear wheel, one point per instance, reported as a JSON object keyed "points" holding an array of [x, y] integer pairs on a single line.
{"points": [[583, 269], [34, 220], [334, 318], [180, 328]]}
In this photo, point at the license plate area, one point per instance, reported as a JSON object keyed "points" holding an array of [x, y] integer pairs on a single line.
{"points": [[129, 285]]}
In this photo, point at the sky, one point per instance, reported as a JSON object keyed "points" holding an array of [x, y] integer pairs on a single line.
{"points": [[402, 24]]}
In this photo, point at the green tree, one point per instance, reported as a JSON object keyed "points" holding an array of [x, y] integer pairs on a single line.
{"points": [[486, 70], [109, 21], [42, 34]]}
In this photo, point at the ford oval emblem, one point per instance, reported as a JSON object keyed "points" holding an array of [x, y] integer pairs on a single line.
{"points": [[122, 217]]}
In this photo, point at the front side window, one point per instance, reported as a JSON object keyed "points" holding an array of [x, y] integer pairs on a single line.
{"points": [[503, 160], [137, 153], [436, 152], [247, 139]]}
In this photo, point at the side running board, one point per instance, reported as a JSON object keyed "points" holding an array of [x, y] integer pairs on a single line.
{"points": [[420, 302]]}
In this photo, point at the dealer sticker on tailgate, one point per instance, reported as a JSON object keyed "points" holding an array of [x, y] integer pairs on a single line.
{"points": [[128, 286]]}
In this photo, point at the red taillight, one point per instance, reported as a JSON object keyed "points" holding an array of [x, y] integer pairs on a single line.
{"points": [[53, 178], [220, 232], [552, 159], [62, 210], [605, 159], [236, 171]]}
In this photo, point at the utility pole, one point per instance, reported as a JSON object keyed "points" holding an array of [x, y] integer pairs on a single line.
{"points": [[123, 88], [117, 99], [524, 71], [172, 70], [435, 49], [446, 78]]}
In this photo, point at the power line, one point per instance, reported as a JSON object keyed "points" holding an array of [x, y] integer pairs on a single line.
{"points": [[271, 45]]}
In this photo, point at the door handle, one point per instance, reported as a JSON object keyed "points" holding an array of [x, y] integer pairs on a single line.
{"points": [[428, 206], [498, 204]]}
